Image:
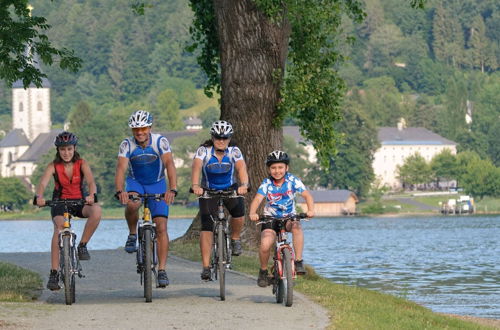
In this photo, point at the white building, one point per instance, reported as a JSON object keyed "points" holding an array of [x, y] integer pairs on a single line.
{"points": [[399, 143], [31, 135]]}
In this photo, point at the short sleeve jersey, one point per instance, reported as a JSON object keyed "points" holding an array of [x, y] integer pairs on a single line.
{"points": [[280, 200], [215, 174], [145, 164]]}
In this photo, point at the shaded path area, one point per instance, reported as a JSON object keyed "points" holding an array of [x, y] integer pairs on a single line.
{"points": [[110, 296]]}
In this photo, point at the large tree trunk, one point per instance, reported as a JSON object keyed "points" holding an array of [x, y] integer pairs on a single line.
{"points": [[253, 52]]}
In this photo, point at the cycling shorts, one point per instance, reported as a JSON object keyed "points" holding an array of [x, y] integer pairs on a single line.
{"points": [[74, 210], [208, 209], [274, 226], [157, 208]]}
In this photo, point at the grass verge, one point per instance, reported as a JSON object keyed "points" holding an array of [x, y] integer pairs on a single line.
{"points": [[18, 284], [348, 307]]}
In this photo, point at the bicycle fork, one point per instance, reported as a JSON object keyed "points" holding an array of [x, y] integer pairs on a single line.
{"points": [[76, 267], [141, 251]]}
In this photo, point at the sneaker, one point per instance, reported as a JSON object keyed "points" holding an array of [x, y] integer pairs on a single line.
{"points": [[83, 253], [299, 267], [206, 274], [236, 247], [53, 283], [162, 278], [262, 280], [131, 244]]}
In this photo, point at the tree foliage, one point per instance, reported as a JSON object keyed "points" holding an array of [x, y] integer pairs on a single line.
{"points": [[21, 40], [13, 194]]}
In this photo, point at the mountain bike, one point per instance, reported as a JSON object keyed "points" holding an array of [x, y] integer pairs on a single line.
{"points": [[147, 250], [283, 269], [69, 264], [220, 257]]}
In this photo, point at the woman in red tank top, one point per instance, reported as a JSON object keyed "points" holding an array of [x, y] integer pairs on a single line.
{"points": [[69, 172]]}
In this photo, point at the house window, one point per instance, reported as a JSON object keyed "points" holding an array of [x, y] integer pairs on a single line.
{"points": [[24, 170], [39, 106], [21, 107]]}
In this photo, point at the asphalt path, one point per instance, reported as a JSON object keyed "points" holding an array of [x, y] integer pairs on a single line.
{"points": [[111, 297]]}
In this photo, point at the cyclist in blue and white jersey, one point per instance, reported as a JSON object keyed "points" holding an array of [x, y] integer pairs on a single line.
{"points": [[279, 190], [218, 161], [146, 155]]}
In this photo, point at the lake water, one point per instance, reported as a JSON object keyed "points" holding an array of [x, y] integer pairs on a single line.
{"points": [[449, 264]]}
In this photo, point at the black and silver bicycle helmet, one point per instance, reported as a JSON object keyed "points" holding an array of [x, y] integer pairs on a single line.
{"points": [[277, 156], [221, 129]]}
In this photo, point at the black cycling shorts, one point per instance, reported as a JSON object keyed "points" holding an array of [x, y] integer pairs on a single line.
{"points": [[274, 226], [74, 210], [208, 209]]}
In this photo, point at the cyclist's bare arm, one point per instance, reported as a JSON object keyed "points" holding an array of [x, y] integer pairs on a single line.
{"points": [[254, 206], [195, 176], [168, 162], [241, 168], [89, 178], [121, 168], [44, 181], [309, 202]]}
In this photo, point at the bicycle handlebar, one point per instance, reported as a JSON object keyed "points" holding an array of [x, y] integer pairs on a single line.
{"points": [[268, 218], [77, 202], [229, 192], [156, 197]]}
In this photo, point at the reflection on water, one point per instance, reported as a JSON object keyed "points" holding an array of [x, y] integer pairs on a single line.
{"points": [[449, 264]]}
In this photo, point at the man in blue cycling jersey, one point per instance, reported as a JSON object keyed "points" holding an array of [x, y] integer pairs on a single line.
{"points": [[146, 155]]}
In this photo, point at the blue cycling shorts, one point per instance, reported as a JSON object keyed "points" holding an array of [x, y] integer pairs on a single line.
{"points": [[158, 208]]}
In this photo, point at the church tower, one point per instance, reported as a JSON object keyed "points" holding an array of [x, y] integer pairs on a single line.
{"points": [[31, 106]]}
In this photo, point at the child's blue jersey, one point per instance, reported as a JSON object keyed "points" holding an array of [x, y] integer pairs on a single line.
{"points": [[218, 175], [280, 201], [145, 165]]}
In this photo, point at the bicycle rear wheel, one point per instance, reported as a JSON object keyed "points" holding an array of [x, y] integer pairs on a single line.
{"points": [[69, 280], [287, 280], [221, 257], [148, 260]]}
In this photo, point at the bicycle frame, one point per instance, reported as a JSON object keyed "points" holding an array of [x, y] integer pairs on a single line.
{"points": [[147, 252], [67, 239]]}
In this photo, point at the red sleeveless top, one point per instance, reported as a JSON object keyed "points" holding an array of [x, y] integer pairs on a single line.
{"points": [[68, 188]]}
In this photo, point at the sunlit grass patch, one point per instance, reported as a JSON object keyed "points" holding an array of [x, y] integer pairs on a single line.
{"points": [[18, 284]]}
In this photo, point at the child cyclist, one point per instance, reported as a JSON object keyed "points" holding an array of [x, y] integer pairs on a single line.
{"points": [[69, 172], [279, 190]]}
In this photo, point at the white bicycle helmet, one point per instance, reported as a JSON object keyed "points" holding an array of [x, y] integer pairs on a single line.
{"points": [[221, 129], [140, 118]]}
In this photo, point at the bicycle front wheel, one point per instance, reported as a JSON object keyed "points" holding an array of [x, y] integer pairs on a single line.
{"points": [[148, 261], [287, 280], [69, 285], [221, 257]]}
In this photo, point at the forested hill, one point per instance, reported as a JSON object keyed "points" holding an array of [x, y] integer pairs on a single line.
{"points": [[429, 66]]}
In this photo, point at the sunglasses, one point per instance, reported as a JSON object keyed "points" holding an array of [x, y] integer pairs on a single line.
{"points": [[220, 138]]}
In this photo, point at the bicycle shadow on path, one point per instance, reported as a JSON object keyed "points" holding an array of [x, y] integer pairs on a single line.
{"points": [[111, 296]]}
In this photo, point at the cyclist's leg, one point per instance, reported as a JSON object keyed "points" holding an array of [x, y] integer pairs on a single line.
{"points": [[132, 208], [298, 239], [162, 239], [159, 212], [236, 207], [207, 207], [58, 221], [93, 215], [267, 239]]}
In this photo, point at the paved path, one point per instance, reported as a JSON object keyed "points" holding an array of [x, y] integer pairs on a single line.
{"points": [[110, 297]]}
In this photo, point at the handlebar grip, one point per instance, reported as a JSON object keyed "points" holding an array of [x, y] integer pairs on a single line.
{"points": [[95, 198]]}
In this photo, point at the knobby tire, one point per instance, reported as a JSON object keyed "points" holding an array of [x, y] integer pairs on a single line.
{"points": [[288, 278], [69, 286], [148, 260], [221, 257]]}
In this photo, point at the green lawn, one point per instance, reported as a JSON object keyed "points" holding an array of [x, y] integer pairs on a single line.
{"points": [[18, 284], [349, 307]]}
